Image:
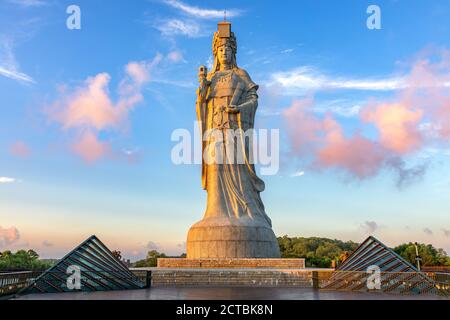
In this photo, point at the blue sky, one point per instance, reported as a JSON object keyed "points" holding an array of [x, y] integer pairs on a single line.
{"points": [[63, 179]]}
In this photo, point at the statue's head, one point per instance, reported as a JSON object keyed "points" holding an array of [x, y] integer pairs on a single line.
{"points": [[224, 47], [225, 54]]}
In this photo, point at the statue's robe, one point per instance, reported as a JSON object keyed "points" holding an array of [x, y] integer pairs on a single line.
{"points": [[233, 187]]}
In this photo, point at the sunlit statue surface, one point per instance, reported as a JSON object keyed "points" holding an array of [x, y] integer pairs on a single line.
{"points": [[235, 224]]}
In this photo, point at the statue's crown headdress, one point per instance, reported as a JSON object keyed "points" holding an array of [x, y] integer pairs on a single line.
{"points": [[224, 36]]}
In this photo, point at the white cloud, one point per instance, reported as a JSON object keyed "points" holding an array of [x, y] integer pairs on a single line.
{"points": [[189, 22], [29, 3], [210, 62], [446, 232], [370, 226], [15, 75], [130, 152], [306, 78], [47, 243], [298, 174], [8, 65], [153, 246], [201, 12], [177, 83], [174, 27], [7, 180], [428, 231], [341, 107]]}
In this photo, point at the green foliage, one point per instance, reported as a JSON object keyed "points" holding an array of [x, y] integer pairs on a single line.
{"points": [[429, 254], [22, 260], [151, 260], [318, 252]]}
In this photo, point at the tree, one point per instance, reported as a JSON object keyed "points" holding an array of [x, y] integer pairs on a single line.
{"points": [[5, 254], [151, 260], [22, 260], [117, 254], [430, 255], [318, 252], [344, 256], [32, 254]]}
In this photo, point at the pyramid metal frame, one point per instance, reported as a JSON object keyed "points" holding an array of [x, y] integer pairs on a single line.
{"points": [[397, 274], [349, 263], [100, 271]]}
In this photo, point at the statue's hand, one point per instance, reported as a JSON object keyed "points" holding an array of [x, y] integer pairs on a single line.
{"points": [[202, 72], [232, 109], [203, 81]]}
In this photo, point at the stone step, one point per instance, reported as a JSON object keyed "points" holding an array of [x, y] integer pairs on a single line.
{"points": [[234, 263], [214, 277]]}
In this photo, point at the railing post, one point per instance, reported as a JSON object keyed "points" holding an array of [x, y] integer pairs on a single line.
{"points": [[148, 278], [315, 279]]}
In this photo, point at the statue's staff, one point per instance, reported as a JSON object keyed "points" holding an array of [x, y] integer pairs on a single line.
{"points": [[202, 93], [204, 83]]}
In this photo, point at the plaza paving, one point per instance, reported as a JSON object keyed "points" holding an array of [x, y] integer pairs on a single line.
{"points": [[225, 293]]}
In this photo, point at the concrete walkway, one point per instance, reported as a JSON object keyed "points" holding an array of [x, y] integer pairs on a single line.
{"points": [[225, 293]]}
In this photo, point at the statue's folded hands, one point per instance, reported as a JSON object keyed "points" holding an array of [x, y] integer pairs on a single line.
{"points": [[232, 109], [251, 103]]}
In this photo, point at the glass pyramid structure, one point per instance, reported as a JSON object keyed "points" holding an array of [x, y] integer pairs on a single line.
{"points": [[397, 274], [89, 267]]}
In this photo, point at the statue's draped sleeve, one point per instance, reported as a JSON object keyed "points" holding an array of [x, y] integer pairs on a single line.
{"points": [[246, 120]]}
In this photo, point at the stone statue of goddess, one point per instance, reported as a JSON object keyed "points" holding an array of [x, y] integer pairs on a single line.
{"points": [[235, 224]]}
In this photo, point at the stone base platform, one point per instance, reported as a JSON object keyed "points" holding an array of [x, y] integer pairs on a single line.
{"points": [[233, 263], [220, 237], [232, 278]]}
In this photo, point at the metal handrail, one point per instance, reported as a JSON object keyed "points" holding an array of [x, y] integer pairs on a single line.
{"points": [[12, 282], [395, 282]]}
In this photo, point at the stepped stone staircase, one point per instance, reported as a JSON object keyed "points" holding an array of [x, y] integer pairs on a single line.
{"points": [[246, 272], [232, 263], [232, 277]]}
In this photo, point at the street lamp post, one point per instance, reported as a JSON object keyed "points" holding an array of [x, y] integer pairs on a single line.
{"points": [[418, 259]]}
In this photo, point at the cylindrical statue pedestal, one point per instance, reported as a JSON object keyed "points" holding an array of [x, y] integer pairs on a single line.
{"points": [[219, 237]]}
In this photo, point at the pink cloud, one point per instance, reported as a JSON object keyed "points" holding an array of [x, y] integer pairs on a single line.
{"points": [[138, 72], [323, 141], [90, 149], [357, 154], [175, 56], [302, 126], [8, 236], [399, 123], [433, 97], [20, 149], [90, 108]]}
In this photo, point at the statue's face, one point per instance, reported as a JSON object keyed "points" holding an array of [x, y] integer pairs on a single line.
{"points": [[224, 54]]}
